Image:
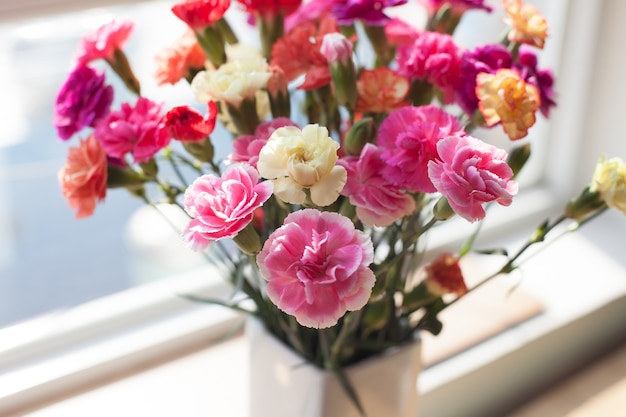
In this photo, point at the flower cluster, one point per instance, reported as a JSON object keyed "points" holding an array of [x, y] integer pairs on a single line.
{"points": [[328, 213]]}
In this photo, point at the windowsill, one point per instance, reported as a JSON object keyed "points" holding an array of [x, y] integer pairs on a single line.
{"points": [[579, 279]]}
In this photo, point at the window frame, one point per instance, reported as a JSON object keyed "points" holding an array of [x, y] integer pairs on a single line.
{"points": [[152, 322]]}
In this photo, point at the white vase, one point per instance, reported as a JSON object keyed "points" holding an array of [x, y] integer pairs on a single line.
{"points": [[282, 384]]}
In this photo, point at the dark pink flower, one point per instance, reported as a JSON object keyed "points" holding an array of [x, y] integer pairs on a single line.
{"points": [[399, 32], [409, 137], [488, 58], [433, 57], [246, 148], [83, 100], [470, 173], [378, 202], [309, 11], [317, 267], [102, 43], [138, 130], [370, 12], [221, 207], [526, 65]]}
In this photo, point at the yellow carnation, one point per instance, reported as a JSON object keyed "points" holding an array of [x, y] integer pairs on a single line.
{"points": [[609, 180]]}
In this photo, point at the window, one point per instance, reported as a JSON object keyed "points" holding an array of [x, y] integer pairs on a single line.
{"points": [[38, 229]]}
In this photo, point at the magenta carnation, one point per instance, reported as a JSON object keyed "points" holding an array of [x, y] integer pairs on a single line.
{"points": [[377, 201], [433, 57], [220, 207], [488, 58], [246, 148], [317, 267], [137, 130], [526, 65], [102, 43], [409, 137], [82, 101], [457, 6], [370, 12], [470, 173]]}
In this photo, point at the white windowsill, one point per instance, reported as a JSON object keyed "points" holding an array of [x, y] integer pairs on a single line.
{"points": [[580, 280]]}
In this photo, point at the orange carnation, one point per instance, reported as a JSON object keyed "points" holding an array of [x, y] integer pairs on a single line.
{"points": [[84, 178], [505, 97], [444, 276], [380, 90], [180, 60], [527, 23]]}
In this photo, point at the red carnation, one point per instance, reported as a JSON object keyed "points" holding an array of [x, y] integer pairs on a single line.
{"points": [[188, 125]]}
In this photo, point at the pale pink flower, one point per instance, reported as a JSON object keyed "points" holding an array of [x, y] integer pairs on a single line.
{"points": [[409, 136], [377, 201], [317, 267], [470, 173], [138, 130], [102, 43], [336, 48], [220, 207], [246, 148]]}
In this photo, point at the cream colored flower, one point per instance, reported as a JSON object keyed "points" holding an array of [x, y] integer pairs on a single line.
{"points": [[233, 81], [296, 159], [609, 180]]}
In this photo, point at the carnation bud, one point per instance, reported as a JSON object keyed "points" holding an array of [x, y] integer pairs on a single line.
{"points": [[278, 93], [203, 151], [442, 210], [586, 203], [248, 240], [376, 315], [361, 133], [118, 177], [518, 157], [338, 51]]}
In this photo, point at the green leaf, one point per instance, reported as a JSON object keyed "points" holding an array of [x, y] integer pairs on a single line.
{"points": [[349, 390], [496, 251]]}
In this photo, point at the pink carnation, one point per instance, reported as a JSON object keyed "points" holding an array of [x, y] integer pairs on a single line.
{"points": [[317, 267], [409, 136], [377, 201], [433, 57], [470, 173], [246, 148], [102, 43], [138, 130], [220, 207]]}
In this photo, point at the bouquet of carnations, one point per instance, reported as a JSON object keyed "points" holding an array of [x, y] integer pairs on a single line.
{"points": [[351, 135]]}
